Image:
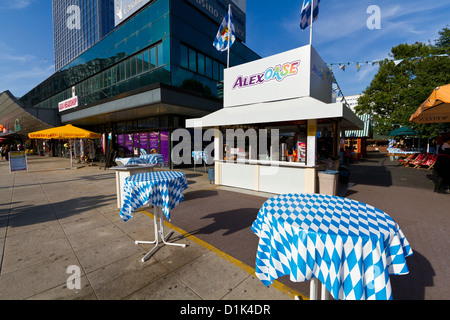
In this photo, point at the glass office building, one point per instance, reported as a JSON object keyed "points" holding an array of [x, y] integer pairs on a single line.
{"points": [[156, 69], [78, 25]]}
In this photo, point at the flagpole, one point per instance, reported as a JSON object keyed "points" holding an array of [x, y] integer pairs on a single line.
{"points": [[311, 23], [229, 36]]}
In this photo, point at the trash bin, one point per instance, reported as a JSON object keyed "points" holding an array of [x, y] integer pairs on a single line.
{"points": [[328, 182], [344, 174]]}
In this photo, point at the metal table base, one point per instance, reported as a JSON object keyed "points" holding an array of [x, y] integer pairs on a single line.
{"points": [[159, 233]]}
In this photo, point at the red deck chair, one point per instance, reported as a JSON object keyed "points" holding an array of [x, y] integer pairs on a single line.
{"points": [[420, 158], [409, 158], [429, 162], [409, 162]]}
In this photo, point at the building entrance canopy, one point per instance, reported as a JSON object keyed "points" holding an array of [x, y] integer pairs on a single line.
{"points": [[304, 108]]}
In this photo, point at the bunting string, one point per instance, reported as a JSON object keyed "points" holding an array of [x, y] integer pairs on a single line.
{"points": [[359, 64]]}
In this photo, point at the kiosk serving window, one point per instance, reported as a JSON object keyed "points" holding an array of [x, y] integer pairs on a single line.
{"points": [[271, 142]]}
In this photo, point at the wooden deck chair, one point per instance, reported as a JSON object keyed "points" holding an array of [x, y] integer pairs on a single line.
{"points": [[414, 158], [420, 162], [409, 158], [417, 161], [429, 162]]}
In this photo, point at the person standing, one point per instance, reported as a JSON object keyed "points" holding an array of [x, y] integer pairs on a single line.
{"points": [[442, 165], [7, 149]]}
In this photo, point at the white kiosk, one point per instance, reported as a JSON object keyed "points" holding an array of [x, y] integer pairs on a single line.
{"points": [[289, 96]]}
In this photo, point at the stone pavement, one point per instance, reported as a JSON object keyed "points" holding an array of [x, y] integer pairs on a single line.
{"points": [[55, 222]]}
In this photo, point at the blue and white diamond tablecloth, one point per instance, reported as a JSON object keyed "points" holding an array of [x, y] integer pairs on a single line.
{"points": [[143, 159], [197, 155], [163, 189], [153, 159], [351, 247]]}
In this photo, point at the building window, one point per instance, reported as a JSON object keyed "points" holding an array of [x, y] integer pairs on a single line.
{"points": [[208, 67], [146, 61], [152, 58], [139, 61], [184, 56], [122, 71], [192, 60], [132, 66], [160, 60], [114, 74], [215, 70], [201, 63]]}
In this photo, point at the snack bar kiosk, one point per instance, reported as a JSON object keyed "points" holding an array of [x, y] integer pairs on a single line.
{"points": [[279, 125]]}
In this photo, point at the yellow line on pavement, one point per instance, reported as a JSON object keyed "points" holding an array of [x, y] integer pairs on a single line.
{"points": [[276, 284]]}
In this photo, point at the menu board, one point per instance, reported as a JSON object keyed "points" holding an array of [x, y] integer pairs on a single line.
{"points": [[17, 161]]}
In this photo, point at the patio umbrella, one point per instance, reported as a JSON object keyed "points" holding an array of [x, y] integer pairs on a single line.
{"points": [[65, 132], [436, 109], [403, 131]]}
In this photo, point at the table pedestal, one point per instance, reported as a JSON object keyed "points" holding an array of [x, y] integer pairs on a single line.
{"points": [[159, 233], [314, 291], [204, 165]]}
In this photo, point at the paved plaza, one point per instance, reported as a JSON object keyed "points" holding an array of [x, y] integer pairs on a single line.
{"points": [[53, 219]]}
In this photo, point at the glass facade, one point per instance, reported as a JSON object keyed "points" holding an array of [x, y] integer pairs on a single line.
{"points": [[79, 24], [168, 42], [173, 35]]}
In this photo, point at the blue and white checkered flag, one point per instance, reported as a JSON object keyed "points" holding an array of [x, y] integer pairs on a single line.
{"points": [[305, 15], [226, 34]]}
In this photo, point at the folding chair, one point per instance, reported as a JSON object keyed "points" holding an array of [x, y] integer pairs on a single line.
{"points": [[417, 161], [429, 162], [409, 158]]}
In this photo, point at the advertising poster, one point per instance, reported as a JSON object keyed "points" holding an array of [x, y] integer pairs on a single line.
{"points": [[128, 143], [120, 141], [143, 141], [136, 150], [165, 145], [153, 142]]}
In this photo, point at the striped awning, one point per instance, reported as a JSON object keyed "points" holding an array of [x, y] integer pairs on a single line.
{"points": [[366, 132]]}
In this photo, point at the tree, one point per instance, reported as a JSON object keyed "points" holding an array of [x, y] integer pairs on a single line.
{"points": [[400, 87]]}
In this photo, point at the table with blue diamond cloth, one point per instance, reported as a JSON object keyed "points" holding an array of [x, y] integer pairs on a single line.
{"points": [[200, 155], [162, 189], [143, 159], [350, 246]]}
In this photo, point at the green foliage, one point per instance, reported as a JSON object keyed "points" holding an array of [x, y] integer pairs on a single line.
{"points": [[397, 91]]}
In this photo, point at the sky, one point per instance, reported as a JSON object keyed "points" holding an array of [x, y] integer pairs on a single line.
{"points": [[340, 35]]}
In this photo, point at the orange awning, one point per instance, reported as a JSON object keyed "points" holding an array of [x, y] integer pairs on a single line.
{"points": [[436, 109]]}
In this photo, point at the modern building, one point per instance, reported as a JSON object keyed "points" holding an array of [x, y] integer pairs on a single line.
{"points": [[157, 68], [78, 25]]}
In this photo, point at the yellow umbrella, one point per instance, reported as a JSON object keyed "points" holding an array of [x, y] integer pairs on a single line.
{"points": [[436, 109], [64, 132]]}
